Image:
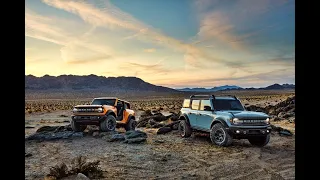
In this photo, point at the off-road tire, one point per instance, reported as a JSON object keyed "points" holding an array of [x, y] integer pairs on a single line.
{"points": [[220, 136], [259, 141], [77, 127], [131, 125], [184, 129], [109, 124]]}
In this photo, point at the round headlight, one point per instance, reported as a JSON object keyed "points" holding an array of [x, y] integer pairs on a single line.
{"points": [[235, 120], [100, 110], [268, 120], [75, 110]]}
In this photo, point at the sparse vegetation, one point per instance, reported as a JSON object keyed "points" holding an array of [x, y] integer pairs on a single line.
{"points": [[78, 165]]}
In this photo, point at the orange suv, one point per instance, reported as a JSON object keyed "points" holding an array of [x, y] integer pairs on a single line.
{"points": [[106, 112]]}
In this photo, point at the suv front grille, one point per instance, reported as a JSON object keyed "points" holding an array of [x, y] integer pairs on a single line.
{"points": [[251, 122], [87, 109]]}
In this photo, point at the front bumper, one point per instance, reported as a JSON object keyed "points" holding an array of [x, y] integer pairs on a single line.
{"points": [[88, 120], [247, 131]]}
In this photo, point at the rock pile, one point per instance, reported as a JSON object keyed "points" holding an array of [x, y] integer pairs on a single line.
{"points": [[281, 111], [65, 132], [129, 137], [155, 119], [54, 132]]}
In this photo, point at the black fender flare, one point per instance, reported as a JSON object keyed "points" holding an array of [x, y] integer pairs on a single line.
{"points": [[131, 117], [185, 116], [110, 112], [218, 120]]}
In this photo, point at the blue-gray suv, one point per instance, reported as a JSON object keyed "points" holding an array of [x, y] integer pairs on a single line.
{"points": [[225, 118]]}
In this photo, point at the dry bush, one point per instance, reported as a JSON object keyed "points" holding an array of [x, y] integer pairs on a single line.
{"points": [[78, 165], [59, 171], [90, 169]]}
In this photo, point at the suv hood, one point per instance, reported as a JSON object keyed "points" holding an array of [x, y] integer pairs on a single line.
{"points": [[248, 114]]}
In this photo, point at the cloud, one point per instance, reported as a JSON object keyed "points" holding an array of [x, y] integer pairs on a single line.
{"points": [[151, 50], [226, 25], [143, 69], [107, 15], [46, 29], [96, 59], [270, 77]]}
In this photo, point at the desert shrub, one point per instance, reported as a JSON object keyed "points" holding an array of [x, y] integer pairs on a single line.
{"points": [[59, 171], [78, 165]]}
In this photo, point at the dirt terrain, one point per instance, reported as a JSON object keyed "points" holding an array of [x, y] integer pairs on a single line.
{"points": [[163, 156]]}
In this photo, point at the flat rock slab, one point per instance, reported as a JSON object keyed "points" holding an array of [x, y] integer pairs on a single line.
{"points": [[54, 135]]}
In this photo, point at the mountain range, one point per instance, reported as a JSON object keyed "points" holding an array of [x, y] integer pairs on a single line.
{"points": [[233, 87], [91, 82], [119, 84], [218, 88]]}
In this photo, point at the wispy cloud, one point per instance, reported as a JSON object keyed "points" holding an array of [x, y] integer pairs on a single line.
{"points": [[107, 15], [224, 25], [270, 77], [45, 28], [151, 50], [149, 69]]}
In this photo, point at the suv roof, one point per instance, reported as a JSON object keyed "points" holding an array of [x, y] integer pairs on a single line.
{"points": [[211, 96], [112, 98]]}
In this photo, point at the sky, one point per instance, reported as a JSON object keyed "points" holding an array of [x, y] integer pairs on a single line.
{"points": [[185, 43]]}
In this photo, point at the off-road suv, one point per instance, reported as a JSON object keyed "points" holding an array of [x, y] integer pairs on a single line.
{"points": [[225, 118], [106, 112]]}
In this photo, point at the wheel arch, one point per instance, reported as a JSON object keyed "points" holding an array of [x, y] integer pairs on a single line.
{"points": [[110, 112], [184, 117], [131, 117], [218, 120]]}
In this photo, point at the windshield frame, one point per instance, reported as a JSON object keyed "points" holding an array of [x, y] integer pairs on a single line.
{"points": [[114, 101], [234, 100]]}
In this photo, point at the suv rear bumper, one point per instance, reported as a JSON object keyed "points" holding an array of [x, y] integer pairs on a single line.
{"points": [[88, 120], [248, 131]]}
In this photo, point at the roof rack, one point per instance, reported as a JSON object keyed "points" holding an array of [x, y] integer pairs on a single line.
{"points": [[202, 95]]}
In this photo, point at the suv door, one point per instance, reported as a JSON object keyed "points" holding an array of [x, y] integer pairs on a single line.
{"points": [[205, 117], [120, 110], [193, 113]]}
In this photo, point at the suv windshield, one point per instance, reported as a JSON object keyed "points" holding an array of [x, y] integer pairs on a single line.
{"points": [[227, 104], [103, 102]]}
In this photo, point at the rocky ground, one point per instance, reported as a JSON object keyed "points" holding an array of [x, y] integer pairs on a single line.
{"points": [[153, 153]]}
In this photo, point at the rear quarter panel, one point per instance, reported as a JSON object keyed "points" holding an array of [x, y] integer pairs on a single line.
{"points": [[126, 115]]}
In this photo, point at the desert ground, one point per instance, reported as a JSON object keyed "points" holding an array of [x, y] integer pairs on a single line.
{"points": [[162, 156]]}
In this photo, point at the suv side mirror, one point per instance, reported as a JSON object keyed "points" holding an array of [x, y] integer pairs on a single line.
{"points": [[207, 108]]}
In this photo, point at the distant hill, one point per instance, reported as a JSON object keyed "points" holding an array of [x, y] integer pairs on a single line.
{"points": [[91, 82], [218, 88], [233, 87], [278, 86]]}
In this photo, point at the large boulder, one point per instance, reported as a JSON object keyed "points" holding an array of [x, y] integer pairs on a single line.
{"points": [[117, 137], [135, 137], [135, 140], [146, 113], [173, 125], [47, 128], [53, 133], [164, 130], [81, 176], [159, 117], [135, 134]]}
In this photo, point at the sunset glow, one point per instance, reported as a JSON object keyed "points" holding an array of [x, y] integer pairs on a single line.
{"points": [[201, 43]]}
